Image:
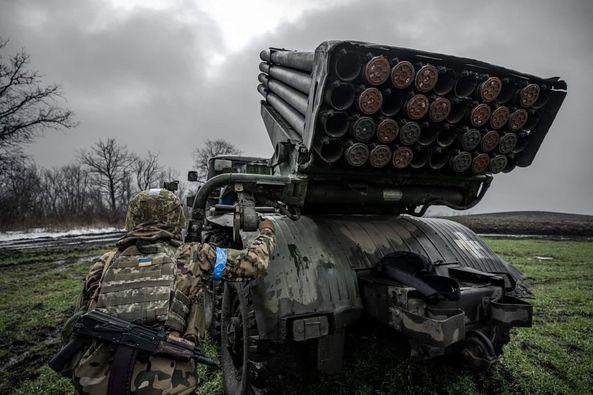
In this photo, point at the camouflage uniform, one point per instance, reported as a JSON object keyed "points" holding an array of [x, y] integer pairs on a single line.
{"points": [[154, 220]]}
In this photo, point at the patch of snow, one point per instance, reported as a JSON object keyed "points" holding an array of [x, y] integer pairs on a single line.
{"points": [[39, 233]]}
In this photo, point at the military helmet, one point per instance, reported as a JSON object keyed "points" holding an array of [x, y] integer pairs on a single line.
{"points": [[155, 206]]}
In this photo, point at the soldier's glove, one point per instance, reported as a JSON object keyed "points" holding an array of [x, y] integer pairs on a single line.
{"points": [[266, 224]]}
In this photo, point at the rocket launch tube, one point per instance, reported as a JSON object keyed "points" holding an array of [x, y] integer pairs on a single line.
{"points": [[296, 120], [297, 79], [291, 96], [297, 60]]}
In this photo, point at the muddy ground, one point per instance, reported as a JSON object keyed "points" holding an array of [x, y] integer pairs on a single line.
{"points": [[39, 288]]}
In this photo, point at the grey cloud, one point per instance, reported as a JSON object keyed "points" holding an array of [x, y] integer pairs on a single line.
{"points": [[143, 78]]}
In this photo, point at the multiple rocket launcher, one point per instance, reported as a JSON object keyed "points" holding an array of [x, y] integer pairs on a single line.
{"points": [[369, 106]]}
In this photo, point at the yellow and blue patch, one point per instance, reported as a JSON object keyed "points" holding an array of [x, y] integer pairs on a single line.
{"points": [[145, 261]]}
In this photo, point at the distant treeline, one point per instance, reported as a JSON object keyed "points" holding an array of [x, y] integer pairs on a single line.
{"points": [[95, 188]]}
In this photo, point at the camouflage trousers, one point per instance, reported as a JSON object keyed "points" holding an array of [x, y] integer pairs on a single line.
{"points": [[154, 375]]}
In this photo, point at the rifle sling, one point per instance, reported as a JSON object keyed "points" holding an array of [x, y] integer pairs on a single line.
{"points": [[122, 368]]}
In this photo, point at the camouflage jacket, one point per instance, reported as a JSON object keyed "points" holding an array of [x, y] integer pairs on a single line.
{"points": [[196, 261]]}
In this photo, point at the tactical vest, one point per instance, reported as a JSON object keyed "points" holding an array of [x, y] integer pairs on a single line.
{"points": [[141, 288]]}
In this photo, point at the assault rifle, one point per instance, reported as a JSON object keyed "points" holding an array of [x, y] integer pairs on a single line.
{"points": [[102, 327]]}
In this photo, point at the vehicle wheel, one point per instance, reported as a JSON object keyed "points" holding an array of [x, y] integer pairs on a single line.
{"points": [[250, 366]]}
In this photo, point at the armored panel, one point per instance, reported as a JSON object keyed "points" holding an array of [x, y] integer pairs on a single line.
{"points": [[314, 270], [305, 278]]}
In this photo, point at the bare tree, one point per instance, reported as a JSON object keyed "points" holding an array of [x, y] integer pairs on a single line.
{"points": [[77, 194], [26, 106], [208, 150], [147, 171], [19, 193], [111, 162]]}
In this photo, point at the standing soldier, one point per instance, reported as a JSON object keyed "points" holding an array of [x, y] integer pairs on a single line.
{"points": [[152, 279]]}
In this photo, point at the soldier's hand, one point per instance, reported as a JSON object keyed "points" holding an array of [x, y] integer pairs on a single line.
{"points": [[265, 223]]}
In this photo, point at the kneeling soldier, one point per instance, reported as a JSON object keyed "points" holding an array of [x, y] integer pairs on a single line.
{"points": [[153, 279]]}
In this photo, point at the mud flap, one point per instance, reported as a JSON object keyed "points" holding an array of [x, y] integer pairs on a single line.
{"points": [[511, 312]]}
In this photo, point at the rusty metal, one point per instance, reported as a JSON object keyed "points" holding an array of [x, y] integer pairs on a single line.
{"points": [[499, 117], [363, 129], [393, 101], [466, 84], [479, 115], [490, 89], [347, 66], [402, 74], [409, 133], [498, 164], [480, 163], [340, 95], [438, 158], [528, 95], [376, 71], [426, 78], [402, 157], [356, 154], [507, 143], [380, 155], [461, 161], [335, 123], [447, 136], [387, 131], [370, 101], [490, 141], [469, 139], [439, 109], [417, 107], [518, 119]]}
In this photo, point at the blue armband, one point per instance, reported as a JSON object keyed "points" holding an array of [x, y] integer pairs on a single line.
{"points": [[220, 265]]}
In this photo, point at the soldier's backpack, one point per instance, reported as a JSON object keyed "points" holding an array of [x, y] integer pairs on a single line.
{"points": [[140, 285]]}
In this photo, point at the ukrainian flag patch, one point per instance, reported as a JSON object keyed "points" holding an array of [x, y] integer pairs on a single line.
{"points": [[143, 262]]}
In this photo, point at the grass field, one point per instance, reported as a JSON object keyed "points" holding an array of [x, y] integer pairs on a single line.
{"points": [[39, 291], [529, 223]]}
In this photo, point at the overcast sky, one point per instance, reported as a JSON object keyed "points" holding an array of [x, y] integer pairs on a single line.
{"points": [[165, 75]]}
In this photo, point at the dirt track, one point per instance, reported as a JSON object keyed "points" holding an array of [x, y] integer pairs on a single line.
{"points": [[515, 225], [61, 242]]}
